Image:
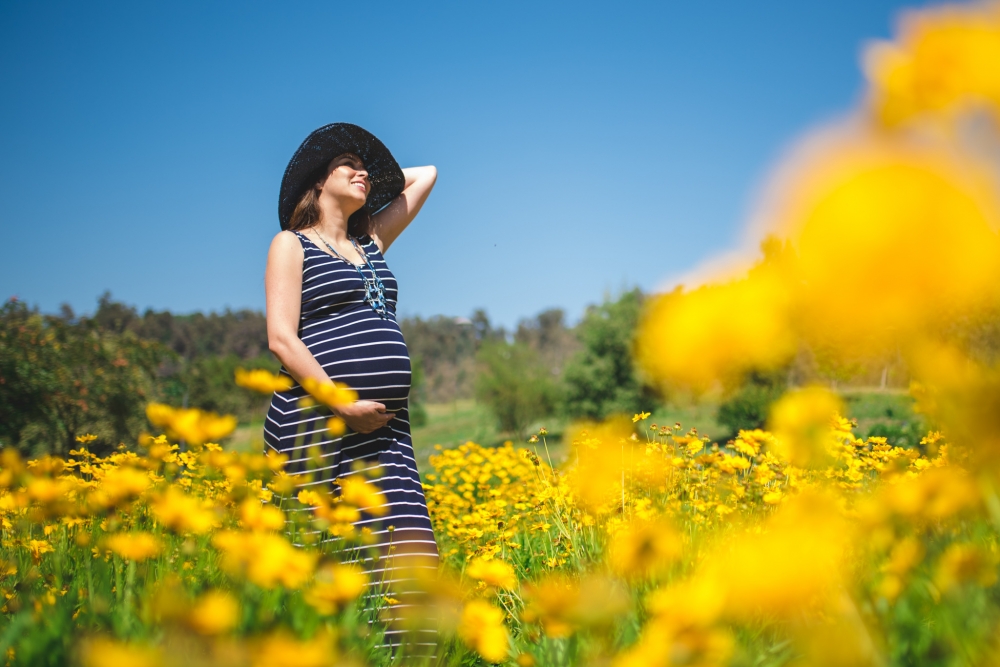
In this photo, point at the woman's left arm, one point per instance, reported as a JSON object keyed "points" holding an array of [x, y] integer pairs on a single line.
{"points": [[390, 222]]}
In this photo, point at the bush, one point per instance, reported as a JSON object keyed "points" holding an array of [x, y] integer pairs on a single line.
{"points": [[747, 407], [600, 379], [514, 385]]}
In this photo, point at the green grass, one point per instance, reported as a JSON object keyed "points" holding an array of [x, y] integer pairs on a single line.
{"points": [[247, 437], [452, 424], [888, 413]]}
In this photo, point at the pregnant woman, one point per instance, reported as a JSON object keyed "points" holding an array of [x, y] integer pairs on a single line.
{"points": [[331, 315]]}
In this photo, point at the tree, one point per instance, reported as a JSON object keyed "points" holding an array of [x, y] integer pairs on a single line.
{"points": [[600, 379], [61, 378], [514, 385]]}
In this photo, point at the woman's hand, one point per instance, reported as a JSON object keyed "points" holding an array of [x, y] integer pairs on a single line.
{"points": [[364, 416]]}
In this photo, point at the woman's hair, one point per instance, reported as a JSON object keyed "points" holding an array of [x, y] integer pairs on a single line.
{"points": [[306, 215]]}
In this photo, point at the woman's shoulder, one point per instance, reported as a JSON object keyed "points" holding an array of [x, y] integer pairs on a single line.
{"points": [[287, 241]]}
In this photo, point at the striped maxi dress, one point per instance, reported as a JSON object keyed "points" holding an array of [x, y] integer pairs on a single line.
{"points": [[358, 347]]}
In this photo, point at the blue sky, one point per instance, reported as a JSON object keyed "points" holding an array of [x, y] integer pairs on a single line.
{"points": [[582, 147]]}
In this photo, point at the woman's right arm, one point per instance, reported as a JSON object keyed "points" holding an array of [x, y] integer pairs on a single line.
{"points": [[283, 290]]}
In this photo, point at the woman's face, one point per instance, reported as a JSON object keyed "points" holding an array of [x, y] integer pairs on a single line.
{"points": [[347, 181]]}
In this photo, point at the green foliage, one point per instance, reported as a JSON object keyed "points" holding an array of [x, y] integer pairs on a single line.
{"points": [[748, 406], [210, 386], [446, 348], [514, 385], [418, 413], [600, 379], [61, 378]]}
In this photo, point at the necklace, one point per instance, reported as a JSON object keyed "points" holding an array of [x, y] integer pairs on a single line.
{"points": [[374, 289]]}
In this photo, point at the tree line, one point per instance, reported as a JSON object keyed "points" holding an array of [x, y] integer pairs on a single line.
{"points": [[63, 375]]}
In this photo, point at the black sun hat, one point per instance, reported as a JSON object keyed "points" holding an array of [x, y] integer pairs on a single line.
{"points": [[310, 161]]}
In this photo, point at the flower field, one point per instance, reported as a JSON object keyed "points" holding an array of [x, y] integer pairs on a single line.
{"points": [[649, 545]]}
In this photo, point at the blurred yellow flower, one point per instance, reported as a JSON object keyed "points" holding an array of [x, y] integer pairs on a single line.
{"points": [[697, 601], [336, 426], [183, 513], [335, 585], [644, 549], [255, 515], [362, 494], [262, 381], [329, 393], [946, 61], [191, 424], [965, 563], [481, 628], [801, 421], [119, 485], [563, 606], [215, 613], [795, 563], [138, 546], [102, 652], [495, 573], [711, 334], [283, 650], [265, 559], [902, 237]]}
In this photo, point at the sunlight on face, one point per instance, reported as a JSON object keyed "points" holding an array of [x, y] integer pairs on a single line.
{"points": [[346, 177]]}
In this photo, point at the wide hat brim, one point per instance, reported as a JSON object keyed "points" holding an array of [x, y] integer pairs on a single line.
{"points": [[310, 161]]}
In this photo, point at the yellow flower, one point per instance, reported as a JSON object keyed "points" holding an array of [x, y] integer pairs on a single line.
{"points": [[697, 602], [363, 495], [86, 438], [335, 586], [962, 563], [195, 426], [801, 421], [715, 332], [134, 546], [45, 490], [640, 417], [214, 613], [773, 497], [311, 498], [282, 650], [903, 236], [563, 606], [265, 559], [795, 562], [39, 547], [644, 549], [255, 515], [329, 393], [110, 653], [336, 426], [119, 485], [262, 381], [182, 513], [481, 628], [494, 573], [946, 61]]}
